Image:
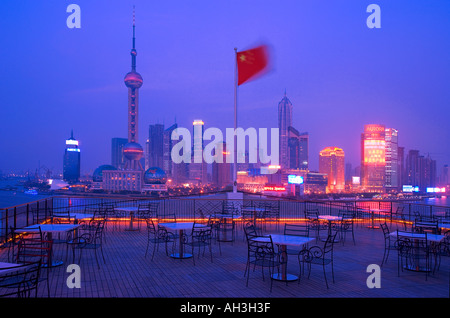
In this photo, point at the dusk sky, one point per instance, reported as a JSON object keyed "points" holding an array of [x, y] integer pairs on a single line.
{"points": [[338, 73]]}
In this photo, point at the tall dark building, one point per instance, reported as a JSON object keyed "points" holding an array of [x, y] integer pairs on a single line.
{"points": [[303, 159], [117, 157], [221, 171], [71, 163], [167, 150], [284, 122], [155, 146], [420, 170]]}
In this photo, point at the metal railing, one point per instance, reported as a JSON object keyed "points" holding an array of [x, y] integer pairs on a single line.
{"points": [[193, 207]]}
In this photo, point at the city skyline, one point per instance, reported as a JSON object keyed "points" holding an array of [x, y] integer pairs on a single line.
{"points": [[395, 76]]}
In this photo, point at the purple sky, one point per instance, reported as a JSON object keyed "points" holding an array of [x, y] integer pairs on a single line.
{"points": [[338, 73]]}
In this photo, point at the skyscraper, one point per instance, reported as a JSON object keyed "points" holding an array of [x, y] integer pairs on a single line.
{"points": [[197, 167], [303, 151], [221, 171], [117, 157], [391, 180], [332, 163], [155, 146], [284, 122], [71, 162], [420, 170], [167, 150], [373, 158]]}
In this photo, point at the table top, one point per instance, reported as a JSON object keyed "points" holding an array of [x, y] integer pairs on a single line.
{"points": [[48, 228], [8, 267], [177, 225], [128, 208], [78, 216], [291, 240], [330, 217], [430, 237]]}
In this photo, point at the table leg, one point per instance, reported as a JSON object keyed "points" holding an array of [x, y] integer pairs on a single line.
{"points": [[131, 226], [51, 262], [373, 226], [284, 276], [181, 254]]}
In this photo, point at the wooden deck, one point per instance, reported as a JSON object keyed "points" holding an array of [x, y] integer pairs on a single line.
{"points": [[128, 274]]}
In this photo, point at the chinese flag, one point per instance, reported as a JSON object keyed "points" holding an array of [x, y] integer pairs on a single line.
{"points": [[251, 63]]}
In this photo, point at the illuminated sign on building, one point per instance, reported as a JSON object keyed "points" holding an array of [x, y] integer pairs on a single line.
{"points": [[293, 179], [374, 152], [274, 188], [436, 190], [410, 188], [72, 142]]}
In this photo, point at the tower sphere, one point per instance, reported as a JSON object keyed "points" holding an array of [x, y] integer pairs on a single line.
{"points": [[133, 151], [133, 80]]}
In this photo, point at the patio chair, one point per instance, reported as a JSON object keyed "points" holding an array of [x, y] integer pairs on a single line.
{"points": [[272, 213], [157, 235], [431, 227], [22, 282], [388, 243], [90, 238], [346, 225], [317, 255], [414, 255], [295, 230], [32, 250], [200, 237], [262, 253], [250, 231], [313, 221]]}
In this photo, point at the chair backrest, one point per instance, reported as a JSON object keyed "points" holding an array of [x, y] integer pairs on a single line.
{"points": [[261, 248], [21, 280], [296, 229], [250, 231], [31, 250], [312, 214], [426, 226], [329, 244]]}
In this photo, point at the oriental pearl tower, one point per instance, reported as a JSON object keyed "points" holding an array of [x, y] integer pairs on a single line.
{"points": [[133, 151]]}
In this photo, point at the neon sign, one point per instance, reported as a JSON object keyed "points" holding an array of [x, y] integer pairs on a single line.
{"points": [[293, 179], [274, 188]]}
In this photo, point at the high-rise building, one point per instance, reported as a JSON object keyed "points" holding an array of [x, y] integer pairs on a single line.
{"points": [[198, 167], [167, 150], [71, 162], [221, 171], [420, 170], [373, 158], [332, 163], [303, 151], [391, 178], [401, 167], [155, 147], [284, 122], [117, 157]]}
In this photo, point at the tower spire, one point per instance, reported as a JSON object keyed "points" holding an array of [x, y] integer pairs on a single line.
{"points": [[133, 50]]}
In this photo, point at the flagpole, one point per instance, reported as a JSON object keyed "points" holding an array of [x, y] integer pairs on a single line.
{"points": [[235, 124]]}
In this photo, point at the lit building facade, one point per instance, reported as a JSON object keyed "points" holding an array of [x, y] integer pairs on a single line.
{"points": [[221, 171], [197, 167], [332, 163], [71, 162], [392, 162], [373, 158], [155, 146]]}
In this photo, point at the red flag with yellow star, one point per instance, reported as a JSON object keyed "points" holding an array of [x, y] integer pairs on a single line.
{"points": [[251, 63]]}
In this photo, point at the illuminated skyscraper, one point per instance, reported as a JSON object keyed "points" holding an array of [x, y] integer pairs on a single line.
{"points": [[284, 122], [197, 167], [332, 163], [373, 158], [392, 164], [155, 146], [71, 163]]}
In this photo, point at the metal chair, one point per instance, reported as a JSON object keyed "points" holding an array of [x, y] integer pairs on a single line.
{"points": [[317, 255], [21, 281]]}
